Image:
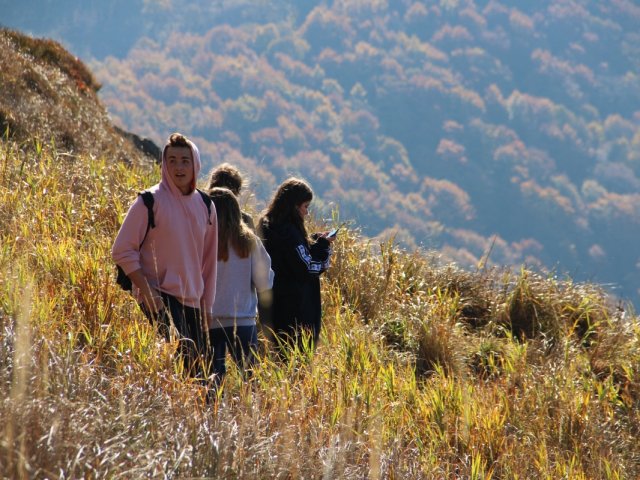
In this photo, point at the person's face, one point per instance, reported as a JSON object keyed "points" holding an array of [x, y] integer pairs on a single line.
{"points": [[180, 167], [303, 209]]}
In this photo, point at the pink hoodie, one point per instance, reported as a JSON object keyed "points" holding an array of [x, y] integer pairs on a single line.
{"points": [[179, 255]]}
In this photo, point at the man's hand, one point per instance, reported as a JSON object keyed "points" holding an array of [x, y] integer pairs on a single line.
{"points": [[150, 296]]}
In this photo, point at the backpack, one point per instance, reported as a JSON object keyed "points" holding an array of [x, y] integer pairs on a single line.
{"points": [[147, 197]]}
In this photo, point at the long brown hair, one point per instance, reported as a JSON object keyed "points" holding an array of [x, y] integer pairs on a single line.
{"points": [[283, 207], [231, 229]]}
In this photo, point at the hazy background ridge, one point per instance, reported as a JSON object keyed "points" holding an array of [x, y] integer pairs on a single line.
{"points": [[463, 126]]}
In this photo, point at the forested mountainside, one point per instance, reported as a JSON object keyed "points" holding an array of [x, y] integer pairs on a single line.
{"points": [[501, 128]]}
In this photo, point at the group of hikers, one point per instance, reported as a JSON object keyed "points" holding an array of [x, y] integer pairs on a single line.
{"points": [[200, 268]]}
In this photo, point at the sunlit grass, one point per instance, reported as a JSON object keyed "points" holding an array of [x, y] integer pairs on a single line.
{"points": [[423, 370]]}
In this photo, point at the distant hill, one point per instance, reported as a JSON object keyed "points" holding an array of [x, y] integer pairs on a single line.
{"points": [[49, 95], [504, 131]]}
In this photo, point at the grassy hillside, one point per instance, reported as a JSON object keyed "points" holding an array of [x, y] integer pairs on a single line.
{"points": [[456, 125], [48, 96], [423, 370]]}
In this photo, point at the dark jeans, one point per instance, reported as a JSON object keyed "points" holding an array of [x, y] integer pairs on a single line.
{"points": [[293, 327], [242, 343], [187, 322]]}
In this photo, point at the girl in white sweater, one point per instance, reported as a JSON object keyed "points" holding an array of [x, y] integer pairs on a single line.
{"points": [[243, 272]]}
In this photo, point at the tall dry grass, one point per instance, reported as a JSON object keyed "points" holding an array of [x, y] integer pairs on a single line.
{"points": [[423, 370], [48, 93]]}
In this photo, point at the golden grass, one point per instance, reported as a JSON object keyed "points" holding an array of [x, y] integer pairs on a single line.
{"points": [[423, 370], [49, 97]]}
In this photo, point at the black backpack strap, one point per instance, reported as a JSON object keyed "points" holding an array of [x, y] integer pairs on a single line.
{"points": [[147, 198], [207, 201]]}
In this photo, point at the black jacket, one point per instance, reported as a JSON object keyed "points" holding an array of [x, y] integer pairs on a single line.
{"points": [[296, 287]]}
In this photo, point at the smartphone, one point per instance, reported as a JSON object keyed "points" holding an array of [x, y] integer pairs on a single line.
{"points": [[334, 232]]}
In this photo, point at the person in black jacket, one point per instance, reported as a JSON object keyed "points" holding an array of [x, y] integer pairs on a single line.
{"points": [[297, 261]]}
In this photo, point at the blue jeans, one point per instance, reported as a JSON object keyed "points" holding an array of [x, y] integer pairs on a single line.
{"points": [[242, 343]]}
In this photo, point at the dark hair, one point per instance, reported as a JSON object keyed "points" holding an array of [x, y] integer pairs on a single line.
{"points": [[231, 229], [228, 176], [177, 140], [283, 207]]}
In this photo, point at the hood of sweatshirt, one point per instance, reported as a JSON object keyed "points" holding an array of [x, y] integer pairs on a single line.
{"points": [[167, 182]]}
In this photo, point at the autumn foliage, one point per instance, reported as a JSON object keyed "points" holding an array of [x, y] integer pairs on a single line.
{"points": [[524, 114]]}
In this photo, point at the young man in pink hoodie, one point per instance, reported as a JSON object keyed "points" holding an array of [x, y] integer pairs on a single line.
{"points": [[173, 268]]}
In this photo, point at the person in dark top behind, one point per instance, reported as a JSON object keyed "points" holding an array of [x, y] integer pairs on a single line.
{"points": [[226, 175], [297, 261]]}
